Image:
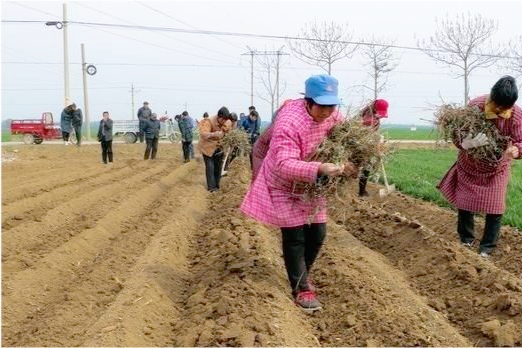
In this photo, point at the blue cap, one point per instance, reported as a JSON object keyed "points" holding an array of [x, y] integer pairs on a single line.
{"points": [[322, 89]]}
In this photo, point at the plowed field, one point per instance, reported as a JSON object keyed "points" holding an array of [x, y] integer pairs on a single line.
{"points": [[138, 253]]}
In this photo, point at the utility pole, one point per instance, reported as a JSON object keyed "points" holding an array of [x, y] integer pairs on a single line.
{"points": [[279, 53], [133, 90], [253, 53], [85, 95], [67, 96]]}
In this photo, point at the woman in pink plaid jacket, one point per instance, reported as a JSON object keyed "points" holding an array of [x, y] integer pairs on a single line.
{"points": [[273, 199], [474, 186]]}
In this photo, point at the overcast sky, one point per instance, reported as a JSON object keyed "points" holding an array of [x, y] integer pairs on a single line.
{"points": [[201, 72]]}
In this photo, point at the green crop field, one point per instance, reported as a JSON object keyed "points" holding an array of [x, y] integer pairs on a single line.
{"points": [[6, 135], [417, 172], [406, 133]]}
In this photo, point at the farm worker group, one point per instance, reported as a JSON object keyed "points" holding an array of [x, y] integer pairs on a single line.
{"points": [[474, 186], [279, 160]]}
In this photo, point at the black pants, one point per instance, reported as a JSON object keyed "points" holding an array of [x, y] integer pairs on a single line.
{"points": [[152, 148], [300, 248], [192, 155], [65, 136], [466, 225], [363, 180], [78, 131], [187, 150], [106, 150], [213, 169], [141, 134]]}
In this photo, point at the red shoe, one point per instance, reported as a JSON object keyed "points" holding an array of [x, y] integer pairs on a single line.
{"points": [[307, 301]]}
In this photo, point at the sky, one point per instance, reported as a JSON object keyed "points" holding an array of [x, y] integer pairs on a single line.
{"points": [[201, 72]]}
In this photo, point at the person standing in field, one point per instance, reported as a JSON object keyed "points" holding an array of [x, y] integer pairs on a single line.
{"points": [[251, 125], [65, 123], [105, 137], [151, 129], [211, 130], [144, 114], [77, 121], [300, 127], [186, 127], [371, 117], [473, 186]]}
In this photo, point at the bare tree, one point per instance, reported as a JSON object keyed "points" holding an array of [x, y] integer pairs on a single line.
{"points": [[323, 44], [379, 57], [270, 79], [515, 55], [463, 43]]}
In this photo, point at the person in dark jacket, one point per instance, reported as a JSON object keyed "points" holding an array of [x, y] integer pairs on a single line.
{"points": [[186, 126], [77, 121], [105, 137], [151, 129], [251, 125], [65, 123], [144, 114]]}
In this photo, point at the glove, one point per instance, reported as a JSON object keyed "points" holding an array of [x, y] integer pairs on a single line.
{"points": [[470, 142]]}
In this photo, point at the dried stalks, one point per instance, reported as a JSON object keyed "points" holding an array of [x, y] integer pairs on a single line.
{"points": [[236, 139], [454, 123], [349, 141]]}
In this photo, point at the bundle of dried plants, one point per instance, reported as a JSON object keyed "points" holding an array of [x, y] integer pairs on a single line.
{"points": [[236, 139], [349, 141], [454, 123]]}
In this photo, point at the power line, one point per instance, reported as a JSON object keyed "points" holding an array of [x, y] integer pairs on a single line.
{"points": [[188, 25], [263, 36], [211, 32]]}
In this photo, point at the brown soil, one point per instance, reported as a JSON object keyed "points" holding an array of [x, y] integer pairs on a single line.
{"points": [[138, 253]]}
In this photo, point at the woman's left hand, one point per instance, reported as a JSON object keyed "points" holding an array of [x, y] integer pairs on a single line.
{"points": [[512, 152]]}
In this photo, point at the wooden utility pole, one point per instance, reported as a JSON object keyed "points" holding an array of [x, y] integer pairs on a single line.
{"points": [[85, 95], [253, 53]]}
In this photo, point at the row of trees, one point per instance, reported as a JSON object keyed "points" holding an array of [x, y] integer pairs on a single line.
{"points": [[464, 43]]}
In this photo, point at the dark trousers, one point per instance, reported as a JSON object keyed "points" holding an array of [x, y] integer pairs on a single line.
{"points": [[187, 150], [152, 148], [65, 136], [466, 224], [78, 131], [213, 169], [300, 248], [363, 180], [106, 150], [141, 134], [192, 155]]}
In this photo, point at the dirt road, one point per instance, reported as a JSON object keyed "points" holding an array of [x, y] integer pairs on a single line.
{"points": [[138, 253]]}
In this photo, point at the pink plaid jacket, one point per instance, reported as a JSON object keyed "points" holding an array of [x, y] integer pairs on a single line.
{"points": [[271, 198], [478, 187]]}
